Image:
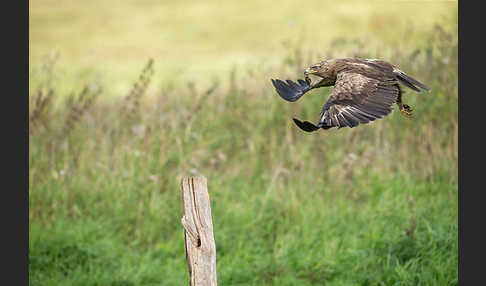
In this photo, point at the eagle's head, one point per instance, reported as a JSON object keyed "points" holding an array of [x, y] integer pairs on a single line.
{"points": [[324, 69]]}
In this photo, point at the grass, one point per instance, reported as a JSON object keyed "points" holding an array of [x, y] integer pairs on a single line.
{"points": [[307, 241], [202, 40], [373, 205]]}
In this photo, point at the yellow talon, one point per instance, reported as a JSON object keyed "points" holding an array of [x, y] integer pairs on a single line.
{"points": [[406, 111]]}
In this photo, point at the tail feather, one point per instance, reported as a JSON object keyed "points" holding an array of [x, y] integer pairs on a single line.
{"points": [[410, 81]]}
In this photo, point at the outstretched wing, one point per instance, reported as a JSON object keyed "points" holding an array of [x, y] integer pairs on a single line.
{"points": [[358, 98], [290, 90]]}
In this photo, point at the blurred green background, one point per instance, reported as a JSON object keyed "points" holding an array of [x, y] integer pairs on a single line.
{"points": [[126, 98], [201, 40]]}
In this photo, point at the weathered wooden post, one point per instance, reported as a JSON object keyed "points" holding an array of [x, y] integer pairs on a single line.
{"points": [[198, 232]]}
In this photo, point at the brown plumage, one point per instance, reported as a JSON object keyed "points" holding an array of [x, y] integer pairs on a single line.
{"points": [[364, 90]]}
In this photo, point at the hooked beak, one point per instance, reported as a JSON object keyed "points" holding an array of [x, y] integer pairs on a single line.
{"points": [[310, 71]]}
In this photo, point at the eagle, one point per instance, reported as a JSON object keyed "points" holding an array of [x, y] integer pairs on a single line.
{"points": [[364, 90]]}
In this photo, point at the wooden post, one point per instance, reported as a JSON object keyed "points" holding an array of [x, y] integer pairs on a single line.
{"points": [[198, 232]]}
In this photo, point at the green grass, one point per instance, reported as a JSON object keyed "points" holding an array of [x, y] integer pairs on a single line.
{"points": [[313, 239], [203, 40], [373, 205]]}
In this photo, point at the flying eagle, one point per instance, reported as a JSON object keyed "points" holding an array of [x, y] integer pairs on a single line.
{"points": [[364, 90]]}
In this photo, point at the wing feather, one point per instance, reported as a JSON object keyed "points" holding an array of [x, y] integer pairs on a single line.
{"points": [[290, 90], [357, 99]]}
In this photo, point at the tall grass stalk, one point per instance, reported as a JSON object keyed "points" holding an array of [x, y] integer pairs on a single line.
{"points": [[373, 205]]}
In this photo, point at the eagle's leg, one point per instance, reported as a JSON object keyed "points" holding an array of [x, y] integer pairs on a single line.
{"points": [[404, 108]]}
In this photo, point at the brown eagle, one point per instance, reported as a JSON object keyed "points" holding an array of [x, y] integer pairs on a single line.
{"points": [[364, 90]]}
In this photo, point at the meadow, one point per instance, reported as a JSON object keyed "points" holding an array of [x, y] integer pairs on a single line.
{"points": [[373, 205]]}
